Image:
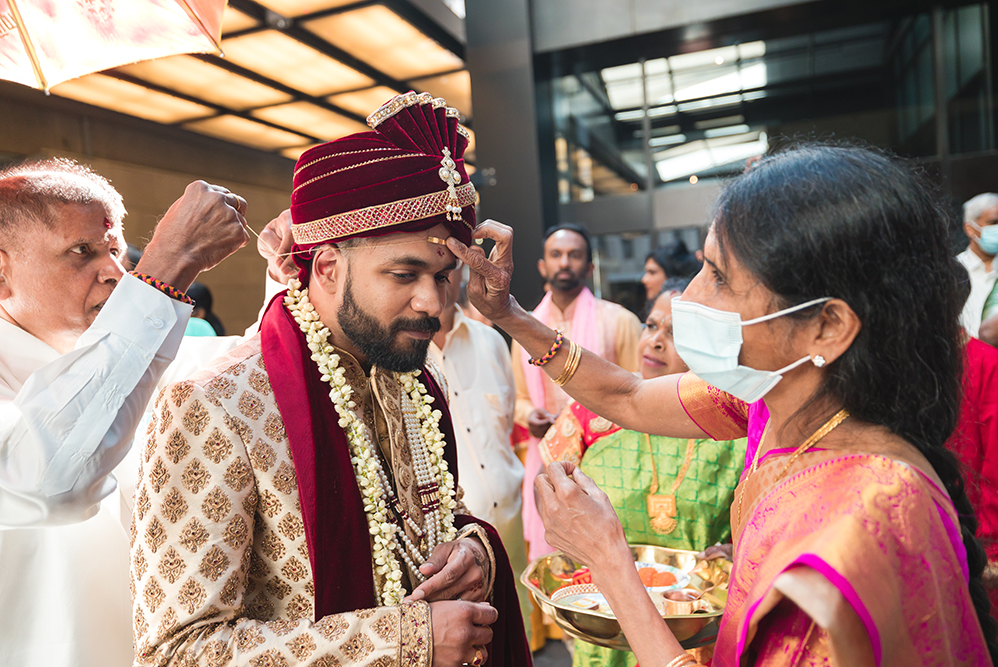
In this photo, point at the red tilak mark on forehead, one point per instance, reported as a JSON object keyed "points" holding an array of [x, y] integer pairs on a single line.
{"points": [[107, 224], [440, 253]]}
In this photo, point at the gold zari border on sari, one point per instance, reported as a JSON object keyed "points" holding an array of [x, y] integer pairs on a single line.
{"points": [[718, 414]]}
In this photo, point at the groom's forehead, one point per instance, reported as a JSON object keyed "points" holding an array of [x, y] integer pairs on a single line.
{"points": [[413, 254]]}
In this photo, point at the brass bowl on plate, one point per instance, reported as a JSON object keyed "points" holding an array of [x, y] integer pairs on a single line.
{"points": [[694, 625]]}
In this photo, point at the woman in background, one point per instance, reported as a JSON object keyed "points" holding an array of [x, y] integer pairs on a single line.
{"points": [[666, 492], [673, 260], [828, 289]]}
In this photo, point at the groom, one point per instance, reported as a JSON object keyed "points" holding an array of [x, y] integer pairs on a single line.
{"points": [[298, 502]]}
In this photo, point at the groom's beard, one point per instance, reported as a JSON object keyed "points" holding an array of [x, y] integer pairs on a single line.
{"points": [[383, 346]]}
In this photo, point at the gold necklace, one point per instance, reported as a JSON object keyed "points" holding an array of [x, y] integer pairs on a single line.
{"points": [[827, 428], [662, 509]]}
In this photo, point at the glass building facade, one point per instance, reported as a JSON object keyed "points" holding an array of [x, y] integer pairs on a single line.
{"points": [[638, 132]]}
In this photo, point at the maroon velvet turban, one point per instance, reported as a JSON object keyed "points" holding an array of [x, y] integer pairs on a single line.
{"points": [[406, 176]]}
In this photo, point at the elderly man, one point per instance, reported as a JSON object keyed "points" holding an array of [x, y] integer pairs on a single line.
{"points": [[82, 346], [298, 502], [980, 223]]}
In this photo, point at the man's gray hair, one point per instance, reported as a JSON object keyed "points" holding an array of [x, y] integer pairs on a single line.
{"points": [[33, 191], [975, 207]]}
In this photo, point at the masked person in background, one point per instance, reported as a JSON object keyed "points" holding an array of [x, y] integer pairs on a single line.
{"points": [[980, 224], [852, 520]]}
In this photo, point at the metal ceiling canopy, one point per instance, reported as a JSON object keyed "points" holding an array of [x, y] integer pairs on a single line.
{"points": [[294, 73]]}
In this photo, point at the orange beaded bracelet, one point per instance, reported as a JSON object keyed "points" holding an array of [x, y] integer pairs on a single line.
{"points": [[549, 355], [166, 289]]}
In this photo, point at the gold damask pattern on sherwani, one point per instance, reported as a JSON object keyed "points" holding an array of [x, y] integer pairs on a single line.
{"points": [[220, 569]]}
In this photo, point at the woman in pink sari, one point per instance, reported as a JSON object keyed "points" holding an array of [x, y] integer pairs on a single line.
{"points": [[853, 536]]}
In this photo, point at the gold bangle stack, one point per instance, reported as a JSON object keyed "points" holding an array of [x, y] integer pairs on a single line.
{"points": [[572, 365], [684, 660]]}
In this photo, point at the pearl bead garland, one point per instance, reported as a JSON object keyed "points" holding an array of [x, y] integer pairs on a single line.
{"points": [[433, 478]]}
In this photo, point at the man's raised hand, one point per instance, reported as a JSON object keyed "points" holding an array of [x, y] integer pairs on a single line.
{"points": [[488, 286], [200, 229]]}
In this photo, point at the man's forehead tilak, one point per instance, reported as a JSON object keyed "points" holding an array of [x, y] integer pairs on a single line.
{"points": [[398, 252]]}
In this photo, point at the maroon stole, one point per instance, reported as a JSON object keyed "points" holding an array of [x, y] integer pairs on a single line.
{"points": [[336, 530]]}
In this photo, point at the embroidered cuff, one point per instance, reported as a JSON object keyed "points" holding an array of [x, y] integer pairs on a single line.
{"points": [[415, 635], [483, 537]]}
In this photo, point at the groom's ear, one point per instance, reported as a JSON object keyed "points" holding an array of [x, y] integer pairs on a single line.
{"points": [[328, 267]]}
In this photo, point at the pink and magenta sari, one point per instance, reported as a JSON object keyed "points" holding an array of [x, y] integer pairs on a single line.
{"points": [[877, 529]]}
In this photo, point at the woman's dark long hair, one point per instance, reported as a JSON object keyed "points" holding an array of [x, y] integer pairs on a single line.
{"points": [[852, 223]]}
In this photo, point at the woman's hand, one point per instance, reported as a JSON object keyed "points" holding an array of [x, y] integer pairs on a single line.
{"points": [[488, 286], [578, 517], [580, 521]]}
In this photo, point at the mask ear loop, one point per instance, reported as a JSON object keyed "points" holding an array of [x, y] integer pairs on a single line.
{"points": [[787, 311], [790, 367]]}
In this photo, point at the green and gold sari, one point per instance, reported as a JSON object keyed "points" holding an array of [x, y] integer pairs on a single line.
{"points": [[666, 492]]}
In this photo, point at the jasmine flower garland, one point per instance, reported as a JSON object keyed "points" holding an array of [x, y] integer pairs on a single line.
{"points": [[435, 481]]}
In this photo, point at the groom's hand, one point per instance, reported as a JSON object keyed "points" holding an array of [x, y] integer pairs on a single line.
{"points": [[456, 571], [461, 632]]}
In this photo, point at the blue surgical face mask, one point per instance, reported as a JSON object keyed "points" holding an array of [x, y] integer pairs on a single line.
{"points": [[988, 239], [710, 340]]}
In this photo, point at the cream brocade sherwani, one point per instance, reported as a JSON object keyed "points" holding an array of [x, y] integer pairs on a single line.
{"points": [[220, 570]]}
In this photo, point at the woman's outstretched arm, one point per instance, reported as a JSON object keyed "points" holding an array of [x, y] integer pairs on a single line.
{"points": [[647, 406]]}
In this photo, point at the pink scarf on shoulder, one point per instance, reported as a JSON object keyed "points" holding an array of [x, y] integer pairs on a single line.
{"points": [[587, 333]]}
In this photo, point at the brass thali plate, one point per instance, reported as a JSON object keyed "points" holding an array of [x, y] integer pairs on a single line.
{"points": [[546, 575]]}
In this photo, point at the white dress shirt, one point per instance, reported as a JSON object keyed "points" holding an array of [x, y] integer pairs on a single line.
{"points": [[981, 282], [482, 397], [66, 423], [476, 363]]}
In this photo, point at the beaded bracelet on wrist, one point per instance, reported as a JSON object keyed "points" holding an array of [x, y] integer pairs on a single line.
{"points": [[166, 289], [549, 355]]}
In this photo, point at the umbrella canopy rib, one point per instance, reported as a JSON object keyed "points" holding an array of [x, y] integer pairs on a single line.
{"points": [[29, 47]]}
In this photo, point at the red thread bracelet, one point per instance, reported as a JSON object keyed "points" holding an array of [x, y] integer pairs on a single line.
{"points": [[166, 289], [549, 355]]}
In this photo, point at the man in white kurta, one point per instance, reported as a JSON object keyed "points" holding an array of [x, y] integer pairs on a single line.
{"points": [[70, 399], [476, 363]]}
